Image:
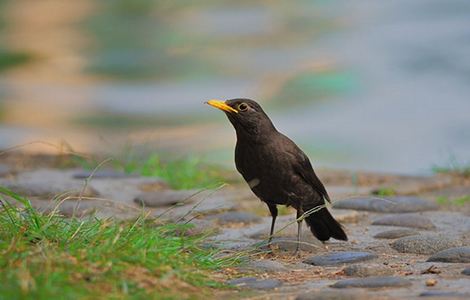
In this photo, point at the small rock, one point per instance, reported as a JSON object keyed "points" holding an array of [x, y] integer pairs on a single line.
{"points": [[430, 282], [452, 255], [395, 233], [100, 174], [332, 295], [254, 283], [446, 294], [368, 270], [425, 244], [405, 220], [164, 198], [372, 282], [235, 217], [266, 265], [290, 244], [338, 258], [466, 271], [348, 216], [203, 203], [399, 204]]}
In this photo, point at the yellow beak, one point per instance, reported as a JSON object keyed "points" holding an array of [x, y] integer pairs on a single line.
{"points": [[221, 105]]}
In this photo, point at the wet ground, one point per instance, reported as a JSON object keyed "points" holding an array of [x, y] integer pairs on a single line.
{"points": [[365, 86], [408, 246]]}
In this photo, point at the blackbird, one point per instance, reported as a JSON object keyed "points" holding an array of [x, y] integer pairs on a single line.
{"points": [[277, 171]]}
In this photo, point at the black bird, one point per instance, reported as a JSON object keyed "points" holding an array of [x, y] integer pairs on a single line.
{"points": [[277, 171]]}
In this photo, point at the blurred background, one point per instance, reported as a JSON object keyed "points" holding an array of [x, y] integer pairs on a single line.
{"points": [[362, 85]]}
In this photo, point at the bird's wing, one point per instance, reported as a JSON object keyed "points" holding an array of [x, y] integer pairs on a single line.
{"points": [[302, 166]]}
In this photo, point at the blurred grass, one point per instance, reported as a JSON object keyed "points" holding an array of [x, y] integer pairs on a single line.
{"points": [[453, 167], [189, 172], [46, 256], [10, 59], [458, 201]]}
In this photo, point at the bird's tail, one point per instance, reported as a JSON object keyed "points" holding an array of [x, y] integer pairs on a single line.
{"points": [[323, 226]]}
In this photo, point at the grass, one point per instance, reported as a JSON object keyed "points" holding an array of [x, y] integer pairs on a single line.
{"points": [[183, 173], [459, 201], [454, 167], [384, 192], [46, 256], [10, 59]]}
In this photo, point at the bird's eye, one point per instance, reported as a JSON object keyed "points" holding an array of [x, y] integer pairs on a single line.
{"points": [[242, 107]]}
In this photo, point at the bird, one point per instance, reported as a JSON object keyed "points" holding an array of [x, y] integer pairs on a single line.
{"points": [[277, 170]]}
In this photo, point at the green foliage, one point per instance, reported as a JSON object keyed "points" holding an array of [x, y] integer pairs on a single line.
{"points": [[454, 167], [51, 257], [9, 59], [384, 191], [459, 201], [184, 173]]}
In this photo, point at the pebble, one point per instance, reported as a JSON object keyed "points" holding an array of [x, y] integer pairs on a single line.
{"points": [[372, 282], [405, 220], [367, 270], [430, 282], [466, 271], [235, 217], [452, 255], [425, 244], [164, 198], [338, 258], [400, 204], [395, 233], [265, 265], [254, 283]]}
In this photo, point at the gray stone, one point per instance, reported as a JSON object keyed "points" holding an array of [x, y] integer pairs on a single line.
{"points": [[405, 220], [446, 294], [452, 255], [372, 282], [425, 244], [4, 170], [254, 283], [466, 271], [338, 258], [332, 295], [47, 183], [290, 244], [203, 203], [399, 204], [265, 265], [367, 270], [102, 173], [165, 198], [235, 217], [395, 233]]}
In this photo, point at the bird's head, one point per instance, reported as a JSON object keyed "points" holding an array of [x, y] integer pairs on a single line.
{"points": [[246, 116]]}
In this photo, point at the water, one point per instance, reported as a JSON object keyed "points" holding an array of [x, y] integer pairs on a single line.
{"points": [[363, 85]]}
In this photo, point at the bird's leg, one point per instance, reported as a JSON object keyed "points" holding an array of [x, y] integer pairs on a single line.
{"points": [[273, 210], [300, 212]]}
